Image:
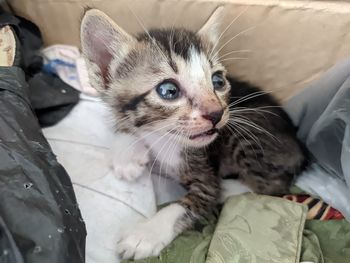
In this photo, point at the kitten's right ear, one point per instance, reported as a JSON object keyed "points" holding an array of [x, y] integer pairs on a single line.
{"points": [[211, 29], [102, 40]]}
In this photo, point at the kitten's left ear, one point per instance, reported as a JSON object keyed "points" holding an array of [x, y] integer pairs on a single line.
{"points": [[210, 31]]}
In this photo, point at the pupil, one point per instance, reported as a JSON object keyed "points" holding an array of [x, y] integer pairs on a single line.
{"points": [[168, 90], [172, 91], [218, 81]]}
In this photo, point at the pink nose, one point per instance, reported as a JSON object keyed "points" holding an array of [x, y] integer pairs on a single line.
{"points": [[214, 116]]}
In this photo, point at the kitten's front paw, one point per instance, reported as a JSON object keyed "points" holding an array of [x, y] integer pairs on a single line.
{"points": [[143, 241], [130, 170], [150, 237], [230, 187], [130, 158]]}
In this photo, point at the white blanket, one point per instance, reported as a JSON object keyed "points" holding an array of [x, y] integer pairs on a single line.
{"points": [[81, 142]]}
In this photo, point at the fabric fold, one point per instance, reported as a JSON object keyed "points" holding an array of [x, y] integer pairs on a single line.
{"points": [[258, 228]]}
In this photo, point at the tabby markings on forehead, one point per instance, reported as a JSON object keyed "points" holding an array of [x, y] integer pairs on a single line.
{"points": [[178, 41]]}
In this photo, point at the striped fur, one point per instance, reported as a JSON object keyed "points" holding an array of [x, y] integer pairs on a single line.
{"points": [[262, 151]]}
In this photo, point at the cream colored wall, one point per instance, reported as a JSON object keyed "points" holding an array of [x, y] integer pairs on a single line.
{"points": [[291, 42]]}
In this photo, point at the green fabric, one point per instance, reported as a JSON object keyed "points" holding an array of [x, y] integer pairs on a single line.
{"points": [[334, 239], [251, 228], [257, 228], [311, 250], [295, 190]]}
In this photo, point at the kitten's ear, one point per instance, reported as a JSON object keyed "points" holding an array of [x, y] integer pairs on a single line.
{"points": [[211, 29], [102, 40]]}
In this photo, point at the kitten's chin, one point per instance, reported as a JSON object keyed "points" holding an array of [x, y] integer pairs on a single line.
{"points": [[202, 139]]}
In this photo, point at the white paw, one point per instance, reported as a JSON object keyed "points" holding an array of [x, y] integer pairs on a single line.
{"points": [[130, 157], [142, 242], [149, 238], [129, 171], [230, 187]]}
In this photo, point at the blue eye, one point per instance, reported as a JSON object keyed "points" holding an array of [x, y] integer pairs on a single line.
{"points": [[168, 90], [218, 81]]}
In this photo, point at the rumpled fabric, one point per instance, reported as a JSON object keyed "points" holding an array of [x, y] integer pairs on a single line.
{"points": [[311, 248], [68, 63], [333, 238], [258, 228], [250, 228], [322, 114], [51, 98]]}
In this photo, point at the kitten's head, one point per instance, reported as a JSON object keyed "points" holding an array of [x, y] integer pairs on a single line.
{"points": [[168, 82]]}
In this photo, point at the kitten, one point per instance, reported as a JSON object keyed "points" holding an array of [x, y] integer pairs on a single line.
{"points": [[179, 114]]}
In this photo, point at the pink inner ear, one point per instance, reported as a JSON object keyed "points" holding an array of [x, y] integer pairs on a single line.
{"points": [[98, 41], [103, 60]]}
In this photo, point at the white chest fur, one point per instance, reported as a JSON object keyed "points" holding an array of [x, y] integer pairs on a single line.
{"points": [[166, 154]]}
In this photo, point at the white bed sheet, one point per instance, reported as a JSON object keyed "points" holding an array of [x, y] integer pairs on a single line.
{"points": [[109, 205]]}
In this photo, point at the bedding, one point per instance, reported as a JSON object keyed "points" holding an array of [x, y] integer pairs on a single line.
{"points": [[120, 204], [257, 228]]}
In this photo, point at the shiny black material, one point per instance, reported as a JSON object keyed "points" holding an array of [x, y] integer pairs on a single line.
{"points": [[50, 97], [35, 190], [40, 220]]}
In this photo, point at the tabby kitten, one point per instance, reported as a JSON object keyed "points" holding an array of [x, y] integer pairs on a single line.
{"points": [[180, 115]]}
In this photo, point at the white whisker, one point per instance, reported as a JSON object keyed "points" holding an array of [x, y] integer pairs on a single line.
{"points": [[147, 134], [223, 32], [158, 153], [243, 148], [251, 135], [153, 41], [172, 146], [234, 51], [236, 58], [235, 36], [257, 110], [254, 125], [249, 96]]}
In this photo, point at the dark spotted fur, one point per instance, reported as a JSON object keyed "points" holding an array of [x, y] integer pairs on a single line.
{"points": [[269, 164], [178, 40]]}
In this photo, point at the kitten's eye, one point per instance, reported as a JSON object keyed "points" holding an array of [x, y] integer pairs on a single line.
{"points": [[218, 80], [168, 90]]}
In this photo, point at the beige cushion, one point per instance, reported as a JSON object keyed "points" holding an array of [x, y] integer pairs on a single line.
{"points": [[292, 43]]}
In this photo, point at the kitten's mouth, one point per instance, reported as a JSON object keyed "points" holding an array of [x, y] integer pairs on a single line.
{"points": [[208, 133]]}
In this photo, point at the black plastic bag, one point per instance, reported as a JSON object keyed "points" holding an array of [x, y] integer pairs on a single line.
{"points": [[50, 104], [40, 220]]}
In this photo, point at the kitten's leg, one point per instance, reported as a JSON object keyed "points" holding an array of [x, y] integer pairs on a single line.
{"points": [[267, 175], [150, 237], [267, 165], [265, 183], [129, 156]]}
